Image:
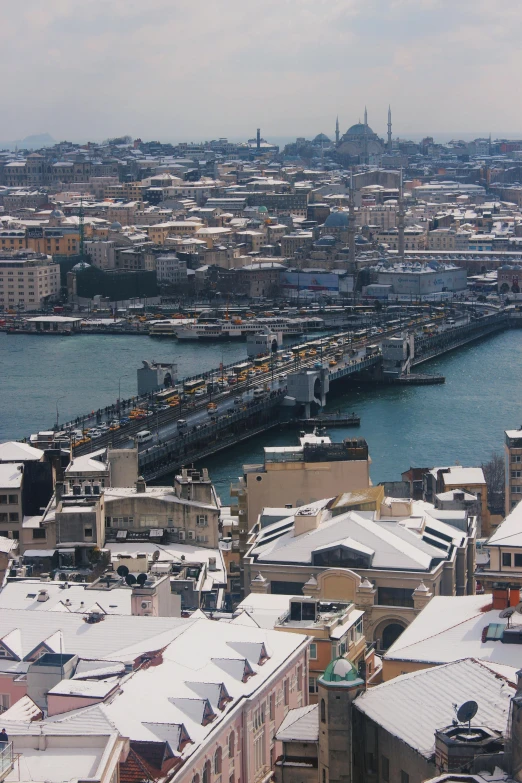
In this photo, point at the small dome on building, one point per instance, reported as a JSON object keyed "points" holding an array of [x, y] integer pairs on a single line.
{"points": [[57, 214], [359, 130], [115, 226], [321, 138], [80, 265], [341, 670], [337, 219]]}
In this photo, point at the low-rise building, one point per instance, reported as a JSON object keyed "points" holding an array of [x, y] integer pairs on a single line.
{"points": [[390, 562]]}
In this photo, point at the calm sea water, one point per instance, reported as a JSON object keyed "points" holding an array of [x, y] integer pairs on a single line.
{"points": [[462, 420]]}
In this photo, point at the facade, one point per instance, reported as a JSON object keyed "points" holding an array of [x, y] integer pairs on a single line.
{"points": [[102, 253], [425, 280], [292, 476], [171, 269], [471, 481], [27, 281], [186, 512], [389, 561], [11, 506], [503, 572]]}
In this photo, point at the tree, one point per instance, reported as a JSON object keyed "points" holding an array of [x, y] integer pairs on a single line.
{"points": [[377, 306], [495, 480]]}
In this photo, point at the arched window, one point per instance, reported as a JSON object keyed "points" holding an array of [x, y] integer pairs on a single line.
{"points": [[206, 772], [195, 779], [231, 745], [217, 762], [323, 711]]}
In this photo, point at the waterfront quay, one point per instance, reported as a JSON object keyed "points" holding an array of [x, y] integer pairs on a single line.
{"points": [[204, 425]]}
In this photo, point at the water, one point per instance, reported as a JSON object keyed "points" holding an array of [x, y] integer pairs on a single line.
{"points": [[462, 420]]}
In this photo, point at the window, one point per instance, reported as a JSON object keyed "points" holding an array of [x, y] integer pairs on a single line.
{"points": [[202, 520], [3, 517], [4, 702], [312, 685], [394, 596], [385, 768], [271, 703], [323, 711], [3, 499], [286, 692], [313, 652], [231, 745], [13, 500], [516, 473], [195, 779], [217, 762], [405, 778], [299, 678], [13, 516], [506, 559], [87, 532], [516, 458], [206, 772], [518, 561], [38, 533], [516, 490]]}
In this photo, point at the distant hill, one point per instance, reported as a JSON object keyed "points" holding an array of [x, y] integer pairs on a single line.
{"points": [[33, 142]]}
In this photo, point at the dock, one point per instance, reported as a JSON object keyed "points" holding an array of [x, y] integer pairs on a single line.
{"points": [[419, 379], [329, 420]]}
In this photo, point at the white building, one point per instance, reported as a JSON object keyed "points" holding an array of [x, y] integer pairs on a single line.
{"points": [[27, 281], [171, 269], [101, 253]]}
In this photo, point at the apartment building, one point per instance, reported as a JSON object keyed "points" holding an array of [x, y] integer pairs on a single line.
{"points": [[171, 269], [27, 281]]}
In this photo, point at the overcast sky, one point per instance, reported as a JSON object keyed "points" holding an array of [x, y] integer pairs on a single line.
{"points": [[196, 69]]}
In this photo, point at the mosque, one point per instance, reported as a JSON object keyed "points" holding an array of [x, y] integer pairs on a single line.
{"points": [[360, 144]]}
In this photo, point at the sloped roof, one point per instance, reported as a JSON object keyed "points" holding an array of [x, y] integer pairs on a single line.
{"points": [[413, 706], [300, 725], [509, 532]]}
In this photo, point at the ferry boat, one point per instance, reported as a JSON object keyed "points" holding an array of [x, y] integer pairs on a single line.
{"points": [[217, 329]]}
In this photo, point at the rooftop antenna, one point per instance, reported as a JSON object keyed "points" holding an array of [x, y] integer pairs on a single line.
{"points": [[466, 712], [506, 614]]}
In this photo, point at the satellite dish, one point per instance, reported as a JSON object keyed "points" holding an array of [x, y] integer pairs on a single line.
{"points": [[467, 711], [141, 579], [156, 555], [130, 579], [507, 612], [518, 608], [122, 570]]}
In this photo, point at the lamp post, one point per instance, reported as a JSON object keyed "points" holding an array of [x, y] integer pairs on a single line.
{"points": [[125, 375], [57, 414]]}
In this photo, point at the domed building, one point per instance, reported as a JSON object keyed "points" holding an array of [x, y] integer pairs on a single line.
{"points": [[56, 217], [321, 138], [337, 224], [360, 143]]}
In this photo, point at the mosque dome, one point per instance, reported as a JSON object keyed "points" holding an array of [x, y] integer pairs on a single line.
{"points": [[321, 138], [341, 670], [115, 226], [57, 214], [359, 130], [337, 220], [80, 266]]}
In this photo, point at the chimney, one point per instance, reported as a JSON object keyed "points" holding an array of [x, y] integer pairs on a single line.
{"points": [[212, 564], [306, 519], [141, 486]]}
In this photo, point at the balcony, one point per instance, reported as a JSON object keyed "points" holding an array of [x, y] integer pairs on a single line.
{"points": [[6, 759]]}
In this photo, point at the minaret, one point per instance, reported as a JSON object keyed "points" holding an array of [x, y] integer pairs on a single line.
{"points": [[400, 222], [351, 226], [366, 160], [337, 130], [389, 130], [365, 116]]}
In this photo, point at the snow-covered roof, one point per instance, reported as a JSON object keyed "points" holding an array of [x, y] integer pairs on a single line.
{"points": [[73, 598], [87, 463], [509, 532], [450, 628], [199, 673], [460, 476], [300, 725], [12, 451], [394, 545], [413, 706], [116, 637], [11, 475], [165, 494], [263, 609]]}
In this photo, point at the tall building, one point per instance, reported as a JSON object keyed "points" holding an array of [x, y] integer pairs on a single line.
{"points": [[27, 281], [513, 468], [389, 145]]}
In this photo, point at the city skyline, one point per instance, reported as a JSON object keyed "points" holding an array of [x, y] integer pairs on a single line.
{"points": [[164, 71]]}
